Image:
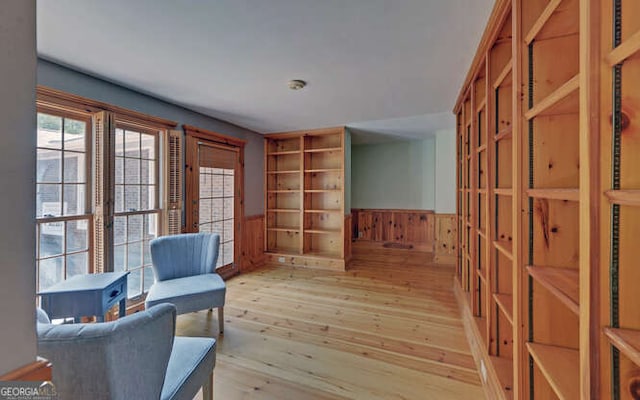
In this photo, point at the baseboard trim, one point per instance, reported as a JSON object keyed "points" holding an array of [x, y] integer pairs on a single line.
{"points": [[492, 386]]}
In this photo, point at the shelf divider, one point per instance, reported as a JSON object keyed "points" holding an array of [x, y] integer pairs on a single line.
{"points": [[505, 302], [560, 366], [560, 93], [503, 74], [541, 21], [555, 194], [624, 197], [505, 247], [627, 341], [504, 133], [562, 282], [625, 50]]}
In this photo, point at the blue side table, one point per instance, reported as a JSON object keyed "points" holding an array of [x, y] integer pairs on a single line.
{"points": [[86, 295]]}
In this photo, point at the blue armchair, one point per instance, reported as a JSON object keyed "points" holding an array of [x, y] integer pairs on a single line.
{"points": [[184, 270], [135, 357]]}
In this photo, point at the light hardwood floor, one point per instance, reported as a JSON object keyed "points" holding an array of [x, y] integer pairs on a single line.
{"points": [[389, 328]]}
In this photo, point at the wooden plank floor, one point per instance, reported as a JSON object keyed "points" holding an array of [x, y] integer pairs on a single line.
{"points": [[389, 328]]}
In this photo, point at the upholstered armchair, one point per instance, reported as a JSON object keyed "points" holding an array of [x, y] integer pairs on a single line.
{"points": [[184, 270], [135, 357]]}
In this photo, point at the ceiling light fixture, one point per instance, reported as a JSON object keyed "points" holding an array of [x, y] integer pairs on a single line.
{"points": [[297, 84]]}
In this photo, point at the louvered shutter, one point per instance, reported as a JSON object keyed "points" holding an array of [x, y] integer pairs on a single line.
{"points": [[173, 182], [104, 175]]}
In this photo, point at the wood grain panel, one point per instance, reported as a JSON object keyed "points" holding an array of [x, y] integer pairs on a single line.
{"points": [[415, 228], [252, 253], [446, 235]]}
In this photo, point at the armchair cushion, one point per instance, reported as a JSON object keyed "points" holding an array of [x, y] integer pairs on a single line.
{"points": [[189, 294], [184, 378]]}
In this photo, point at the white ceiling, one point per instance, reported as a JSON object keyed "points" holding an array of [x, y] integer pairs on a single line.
{"points": [[386, 66]]}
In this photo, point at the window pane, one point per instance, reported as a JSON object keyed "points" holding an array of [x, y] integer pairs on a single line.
{"points": [[77, 264], [205, 211], [119, 261], [134, 281], [134, 255], [49, 131], [48, 200], [205, 184], [147, 197], [132, 144], [220, 260], [119, 142], [131, 198], [119, 198], [148, 146], [74, 167], [228, 185], [227, 252], [51, 271], [146, 253], [51, 238], [217, 186], [228, 207], [119, 230], [217, 227], [77, 235], [216, 207], [49, 166], [74, 199], [132, 171], [148, 278], [74, 134], [119, 170], [134, 229], [147, 172], [228, 230], [150, 226]]}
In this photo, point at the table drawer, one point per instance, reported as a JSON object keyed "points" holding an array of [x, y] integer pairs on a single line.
{"points": [[114, 293]]}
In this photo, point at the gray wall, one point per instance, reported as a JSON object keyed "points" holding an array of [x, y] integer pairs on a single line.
{"points": [[17, 179], [445, 172], [347, 171], [398, 175], [59, 77]]}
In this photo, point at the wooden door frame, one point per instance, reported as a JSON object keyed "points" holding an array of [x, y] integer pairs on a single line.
{"points": [[195, 136]]}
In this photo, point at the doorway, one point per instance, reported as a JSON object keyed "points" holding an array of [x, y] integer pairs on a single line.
{"points": [[214, 195]]}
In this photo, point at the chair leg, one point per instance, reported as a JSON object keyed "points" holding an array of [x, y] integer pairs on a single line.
{"points": [[221, 319], [207, 388]]}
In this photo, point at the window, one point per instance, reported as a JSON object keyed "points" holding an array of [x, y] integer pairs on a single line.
{"points": [[216, 215], [136, 205], [63, 219], [100, 172]]}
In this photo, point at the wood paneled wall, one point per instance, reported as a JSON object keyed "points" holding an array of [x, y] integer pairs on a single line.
{"points": [[409, 227], [348, 233], [252, 252], [446, 239]]}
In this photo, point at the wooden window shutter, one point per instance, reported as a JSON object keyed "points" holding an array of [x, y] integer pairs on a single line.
{"points": [[104, 126], [173, 182]]}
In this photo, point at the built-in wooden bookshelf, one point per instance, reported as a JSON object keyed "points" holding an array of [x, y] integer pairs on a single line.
{"points": [[549, 200], [304, 191]]}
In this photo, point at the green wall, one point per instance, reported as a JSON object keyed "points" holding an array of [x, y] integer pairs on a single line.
{"points": [[398, 174]]}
